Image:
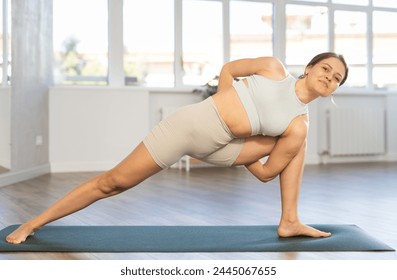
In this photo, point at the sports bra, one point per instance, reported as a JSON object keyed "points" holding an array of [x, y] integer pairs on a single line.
{"points": [[270, 105]]}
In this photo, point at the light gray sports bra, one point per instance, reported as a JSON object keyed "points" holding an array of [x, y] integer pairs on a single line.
{"points": [[270, 105]]}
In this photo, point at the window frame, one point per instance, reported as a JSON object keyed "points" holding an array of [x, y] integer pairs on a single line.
{"points": [[116, 73]]}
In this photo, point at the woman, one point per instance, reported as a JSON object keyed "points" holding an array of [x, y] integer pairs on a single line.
{"points": [[264, 114]]}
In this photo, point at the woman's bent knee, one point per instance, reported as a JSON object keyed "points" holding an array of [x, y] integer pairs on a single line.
{"points": [[135, 168]]}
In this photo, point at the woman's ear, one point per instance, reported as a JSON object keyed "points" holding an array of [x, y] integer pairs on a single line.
{"points": [[308, 69]]}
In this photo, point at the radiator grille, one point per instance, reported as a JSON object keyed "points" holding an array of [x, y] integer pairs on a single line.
{"points": [[356, 131]]}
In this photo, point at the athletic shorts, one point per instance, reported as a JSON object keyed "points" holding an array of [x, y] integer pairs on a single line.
{"points": [[196, 130]]}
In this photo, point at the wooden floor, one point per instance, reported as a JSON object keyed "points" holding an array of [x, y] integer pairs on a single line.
{"points": [[363, 194]]}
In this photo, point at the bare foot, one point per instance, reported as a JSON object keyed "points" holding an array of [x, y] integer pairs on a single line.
{"points": [[20, 234], [298, 229]]}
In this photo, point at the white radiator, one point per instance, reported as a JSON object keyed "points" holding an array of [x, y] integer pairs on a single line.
{"points": [[356, 131]]}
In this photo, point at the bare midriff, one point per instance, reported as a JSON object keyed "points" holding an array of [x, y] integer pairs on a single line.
{"points": [[232, 112]]}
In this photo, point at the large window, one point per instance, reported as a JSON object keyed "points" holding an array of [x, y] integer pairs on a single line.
{"points": [[80, 34], [351, 41], [385, 3], [174, 43], [251, 29], [319, 1], [149, 42], [202, 41], [306, 35], [352, 2], [384, 49]]}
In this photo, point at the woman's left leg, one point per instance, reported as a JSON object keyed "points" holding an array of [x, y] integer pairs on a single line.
{"points": [[135, 168], [290, 183]]}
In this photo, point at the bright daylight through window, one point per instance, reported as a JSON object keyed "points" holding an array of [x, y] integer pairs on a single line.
{"points": [[186, 42]]}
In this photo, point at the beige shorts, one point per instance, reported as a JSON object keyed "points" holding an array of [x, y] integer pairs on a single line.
{"points": [[196, 130]]}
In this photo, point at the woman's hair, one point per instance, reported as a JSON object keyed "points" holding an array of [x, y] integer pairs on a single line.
{"points": [[326, 55]]}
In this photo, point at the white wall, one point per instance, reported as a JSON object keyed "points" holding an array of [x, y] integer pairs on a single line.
{"points": [[93, 128]]}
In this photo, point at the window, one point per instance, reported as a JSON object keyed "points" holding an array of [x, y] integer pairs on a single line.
{"points": [[320, 1], [384, 48], [251, 29], [173, 43], [385, 3], [307, 35], [149, 42], [352, 2], [351, 41], [80, 42], [202, 38]]}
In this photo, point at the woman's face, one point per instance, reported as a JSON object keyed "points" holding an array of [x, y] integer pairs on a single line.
{"points": [[326, 75]]}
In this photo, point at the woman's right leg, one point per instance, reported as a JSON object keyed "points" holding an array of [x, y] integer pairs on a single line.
{"points": [[135, 168], [257, 147]]}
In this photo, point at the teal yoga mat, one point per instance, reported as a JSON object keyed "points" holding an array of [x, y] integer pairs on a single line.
{"points": [[188, 239]]}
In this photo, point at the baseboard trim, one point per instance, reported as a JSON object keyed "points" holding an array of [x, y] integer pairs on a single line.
{"points": [[13, 177], [353, 159], [94, 166]]}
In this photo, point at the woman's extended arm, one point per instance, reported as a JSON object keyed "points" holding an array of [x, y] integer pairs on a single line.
{"points": [[268, 66], [287, 147]]}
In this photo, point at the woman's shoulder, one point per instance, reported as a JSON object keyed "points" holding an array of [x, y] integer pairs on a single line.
{"points": [[273, 69]]}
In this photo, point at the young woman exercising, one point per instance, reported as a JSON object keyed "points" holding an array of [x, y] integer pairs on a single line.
{"points": [[264, 114]]}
